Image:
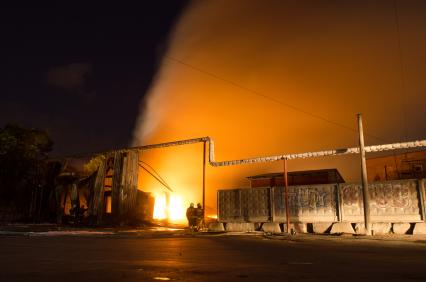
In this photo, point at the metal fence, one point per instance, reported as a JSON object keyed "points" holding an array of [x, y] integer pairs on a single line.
{"points": [[390, 201]]}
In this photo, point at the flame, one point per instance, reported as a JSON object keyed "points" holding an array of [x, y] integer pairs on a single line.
{"points": [[160, 207], [174, 211]]}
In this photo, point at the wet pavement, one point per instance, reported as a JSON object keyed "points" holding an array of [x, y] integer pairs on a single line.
{"points": [[158, 254]]}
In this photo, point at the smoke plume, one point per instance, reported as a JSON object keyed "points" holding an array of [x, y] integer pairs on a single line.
{"points": [[283, 77]]}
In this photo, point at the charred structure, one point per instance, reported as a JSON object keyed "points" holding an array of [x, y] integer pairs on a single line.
{"points": [[106, 195]]}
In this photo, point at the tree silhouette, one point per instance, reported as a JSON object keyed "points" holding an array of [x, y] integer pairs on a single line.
{"points": [[23, 153]]}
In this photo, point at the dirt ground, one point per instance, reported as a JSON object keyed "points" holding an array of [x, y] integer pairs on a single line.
{"points": [[162, 254]]}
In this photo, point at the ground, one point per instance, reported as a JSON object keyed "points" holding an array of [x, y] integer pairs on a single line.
{"points": [[155, 255]]}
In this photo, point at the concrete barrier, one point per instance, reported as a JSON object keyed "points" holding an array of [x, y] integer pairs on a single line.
{"points": [[216, 227], [325, 203], [381, 228], [271, 227], [321, 227], [359, 228], [298, 227], [239, 226], [419, 228], [400, 227], [342, 227]]}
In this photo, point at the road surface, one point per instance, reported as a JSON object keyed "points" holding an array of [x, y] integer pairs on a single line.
{"points": [[163, 256]]}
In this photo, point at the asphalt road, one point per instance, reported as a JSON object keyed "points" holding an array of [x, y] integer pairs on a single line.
{"points": [[179, 257]]}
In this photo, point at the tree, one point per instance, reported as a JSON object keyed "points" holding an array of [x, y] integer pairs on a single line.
{"points": [[23, 153]]}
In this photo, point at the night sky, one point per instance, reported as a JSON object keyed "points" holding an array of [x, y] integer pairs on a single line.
{"points": [[80, 72]]}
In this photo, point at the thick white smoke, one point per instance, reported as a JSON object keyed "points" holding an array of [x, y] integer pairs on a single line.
{"points": [[313, 60]]}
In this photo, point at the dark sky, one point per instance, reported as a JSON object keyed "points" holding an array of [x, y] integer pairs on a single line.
{"points": [[80, 72]]}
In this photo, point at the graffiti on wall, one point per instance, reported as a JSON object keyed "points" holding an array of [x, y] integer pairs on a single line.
{"points": [[307, 201], [394, 196], [391, 198], [397, 200], [310, 197]]}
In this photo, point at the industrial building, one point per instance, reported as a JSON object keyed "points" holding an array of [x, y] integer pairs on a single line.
{"points": [[397, 166]]}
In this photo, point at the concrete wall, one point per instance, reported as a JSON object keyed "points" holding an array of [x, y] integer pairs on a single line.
{"points": [[391, 201], [245, 205], [307, 203]]}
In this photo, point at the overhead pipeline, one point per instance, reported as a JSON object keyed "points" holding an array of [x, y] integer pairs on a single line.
{"points": [[333, 152]]}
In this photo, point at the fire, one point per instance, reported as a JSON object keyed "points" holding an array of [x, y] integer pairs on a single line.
{"points": [[174, 211], [160, 207]]}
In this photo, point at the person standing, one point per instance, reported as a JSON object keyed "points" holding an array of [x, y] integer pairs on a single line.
{"points": [[190, 212], [199, 213]]}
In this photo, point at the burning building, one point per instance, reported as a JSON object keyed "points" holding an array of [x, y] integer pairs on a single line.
{"points": [[101, 190], [116, 198]]}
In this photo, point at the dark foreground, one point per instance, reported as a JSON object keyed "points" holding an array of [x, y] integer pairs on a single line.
{"points": [[180, 257]]}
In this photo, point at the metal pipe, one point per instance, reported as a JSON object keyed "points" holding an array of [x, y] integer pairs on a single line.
{"points": [[204, 180], [213, 162], [333, 152]]}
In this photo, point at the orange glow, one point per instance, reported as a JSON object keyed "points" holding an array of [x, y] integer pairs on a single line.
{"points": [[108, 204], [174, 211], [160, 207], [331, 66]]}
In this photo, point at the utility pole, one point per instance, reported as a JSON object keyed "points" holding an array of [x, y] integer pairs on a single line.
{"points": [[204, 180], [287, 208], [365, 193]]}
